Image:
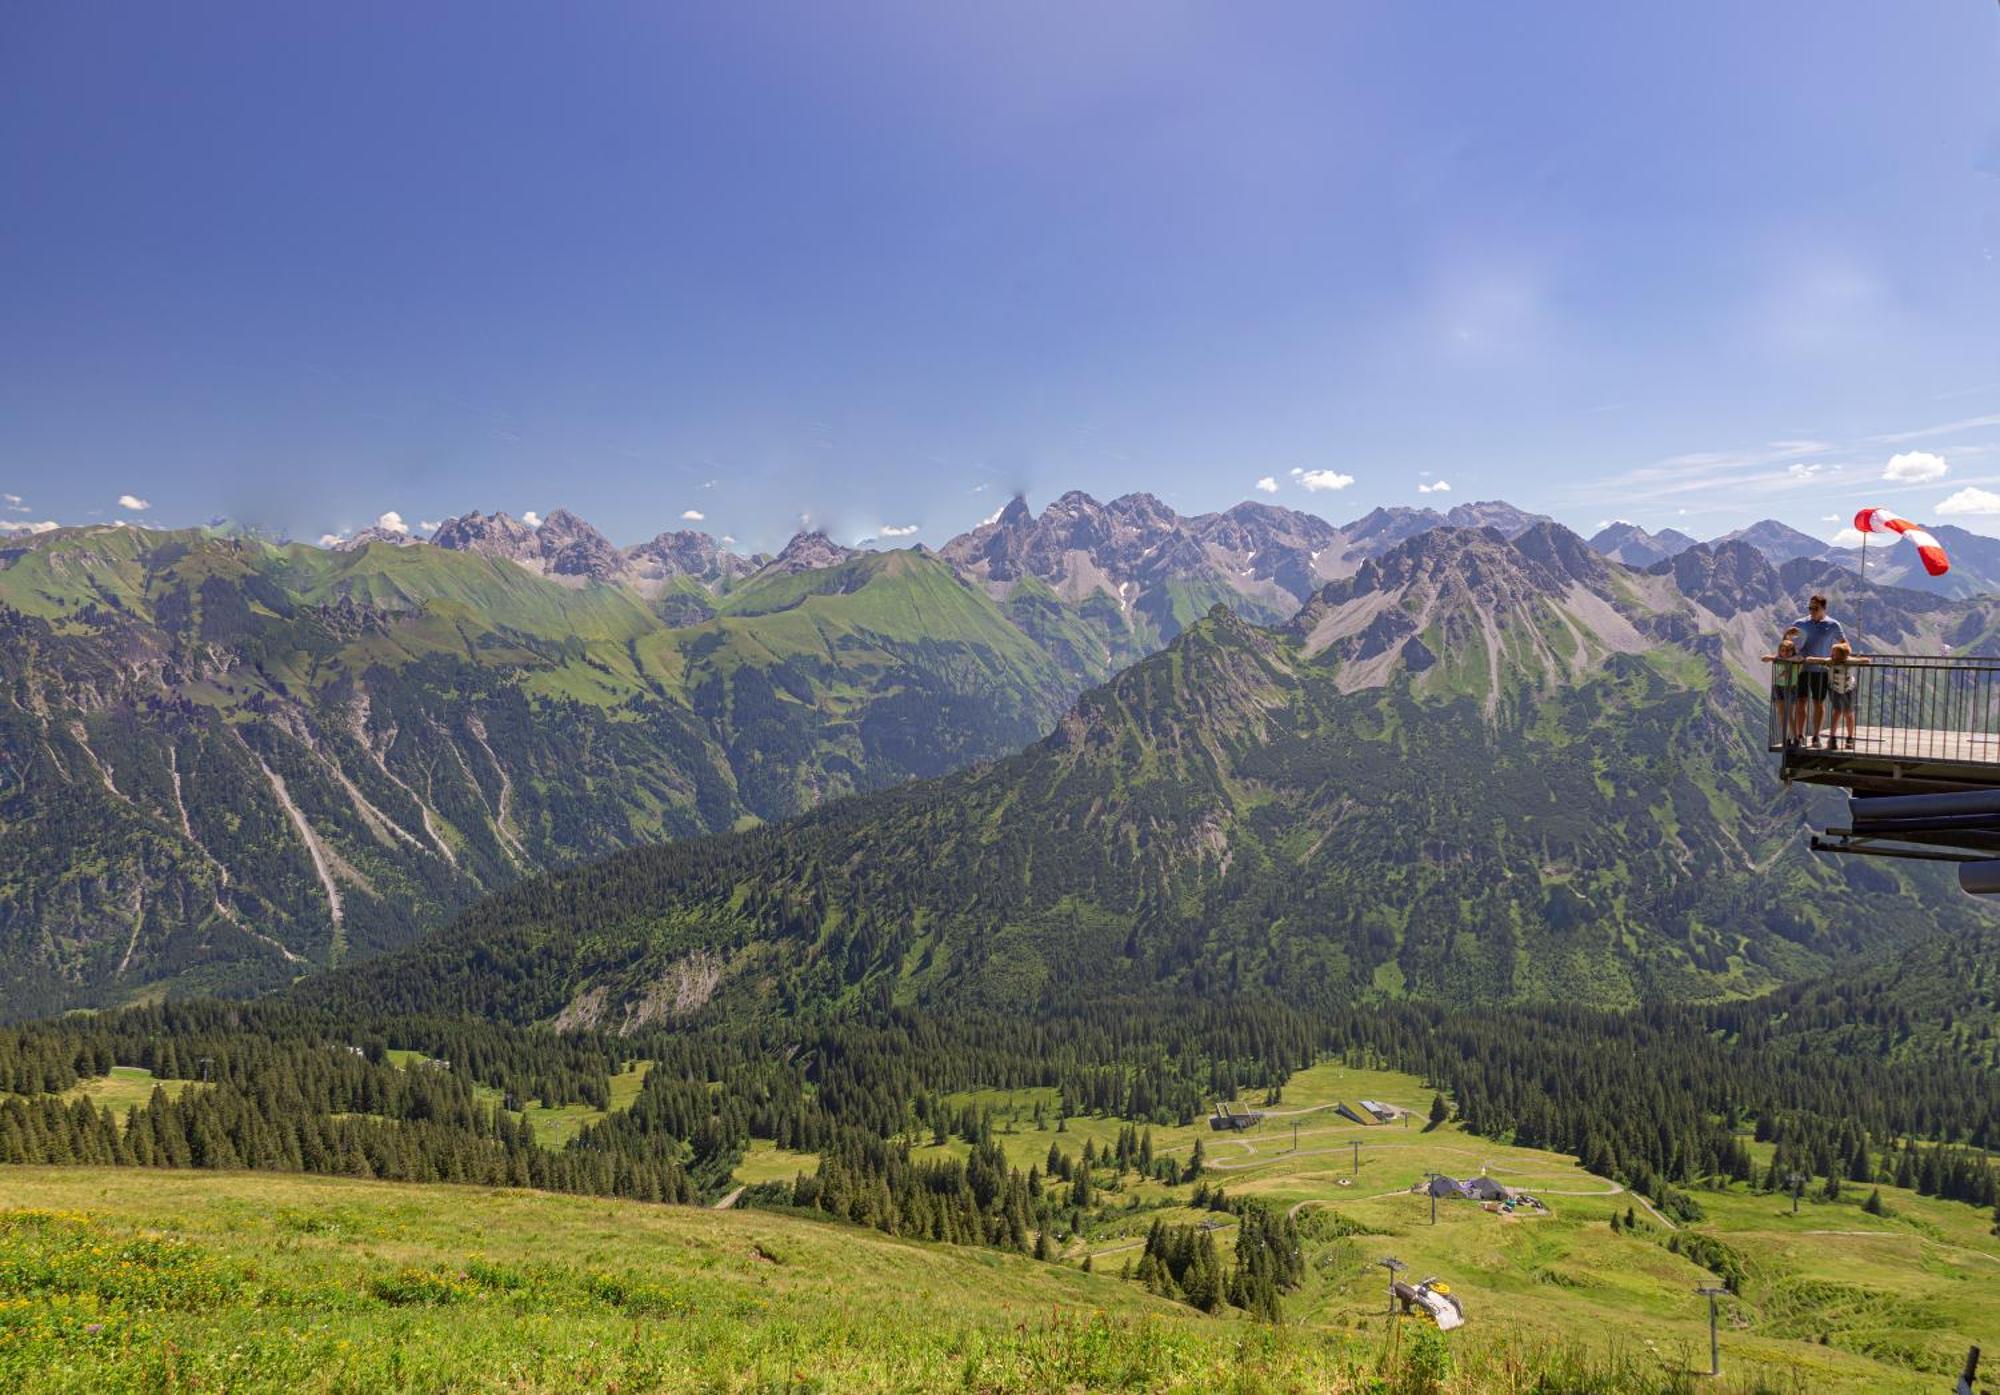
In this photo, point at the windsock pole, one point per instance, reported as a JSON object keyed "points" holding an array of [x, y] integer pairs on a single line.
{"points": [[1858, 594]]}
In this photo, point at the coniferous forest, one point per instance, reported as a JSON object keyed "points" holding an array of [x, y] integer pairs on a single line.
{"points": [[1655, 1099]]}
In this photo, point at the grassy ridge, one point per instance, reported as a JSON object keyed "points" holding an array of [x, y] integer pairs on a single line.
{"points": [[111, 1281]]}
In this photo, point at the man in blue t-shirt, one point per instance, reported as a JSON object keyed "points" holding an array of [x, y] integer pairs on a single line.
{"points": [[1818, 633]]}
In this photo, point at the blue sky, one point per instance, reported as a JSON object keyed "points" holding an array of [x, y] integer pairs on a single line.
{"points": [[880, 265]]}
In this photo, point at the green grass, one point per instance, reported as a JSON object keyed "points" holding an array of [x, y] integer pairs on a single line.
{"points": [[766, 1162], [127, 1280], [1897, 1303], [556, 1126], [124, 1089]]}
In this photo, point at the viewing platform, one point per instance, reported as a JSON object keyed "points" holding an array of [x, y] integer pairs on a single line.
{"points": [[1922, 766]]}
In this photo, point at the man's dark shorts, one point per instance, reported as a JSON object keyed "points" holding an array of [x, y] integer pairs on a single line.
{"points": [[1812, 684]]}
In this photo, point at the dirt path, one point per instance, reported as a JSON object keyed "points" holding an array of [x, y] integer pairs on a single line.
{"points": [[727, 1201]]}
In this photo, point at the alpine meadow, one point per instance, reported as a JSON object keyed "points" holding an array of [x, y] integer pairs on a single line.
{"points": [[1198, 700]]}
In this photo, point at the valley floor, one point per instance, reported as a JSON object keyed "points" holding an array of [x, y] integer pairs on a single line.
{"points": [[1836, 1299], [134, 1279]]}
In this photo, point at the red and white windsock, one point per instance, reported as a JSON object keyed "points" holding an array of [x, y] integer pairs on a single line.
{"points": [[1928, 548]]}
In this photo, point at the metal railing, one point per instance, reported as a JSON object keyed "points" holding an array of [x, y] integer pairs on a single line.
{"points": [[1903, 706]]}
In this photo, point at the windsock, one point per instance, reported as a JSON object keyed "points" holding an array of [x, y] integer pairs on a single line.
{"points": [[1928, 548]]}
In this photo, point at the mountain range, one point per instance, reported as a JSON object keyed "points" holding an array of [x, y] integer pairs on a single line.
{"points": [[1475, 769], [225, 762]]}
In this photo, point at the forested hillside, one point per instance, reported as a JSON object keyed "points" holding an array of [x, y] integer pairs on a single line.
{"points": [[224, 763], [1478, 770]]}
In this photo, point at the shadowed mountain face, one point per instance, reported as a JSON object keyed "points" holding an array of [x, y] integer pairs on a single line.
{"points": [[1476, 769], [224, 763]]}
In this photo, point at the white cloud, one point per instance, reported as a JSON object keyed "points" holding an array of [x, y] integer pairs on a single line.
{"points": [[9, 525], [728, 539], [1441, 487], [1803, 470], [693, 515], [133, 502], [1914, 467], [1846, 537], [331, 540], [1269, 484], [392, 522], [993, 517], [897, 530], [428, 526], [1970, 501], [531, 518], [11, 498], [1317, 480]]}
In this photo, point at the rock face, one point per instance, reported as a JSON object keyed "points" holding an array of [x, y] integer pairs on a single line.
{"points": [[1729, 577], [1496, 514], [686, 553], [807, 552], [563, 547], [495, 535], [1136, 550], [374, 534], [573, 548]]}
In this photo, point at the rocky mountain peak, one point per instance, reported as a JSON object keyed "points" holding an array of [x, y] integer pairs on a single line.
{"points": [[1497, 514], [1564, 553], [1727, 576], [563, 546], [1635, 547], [685, 552], [1779, 542], [571, 547], [809, 551], [1382, 528], [374, 533], [497, 535]]}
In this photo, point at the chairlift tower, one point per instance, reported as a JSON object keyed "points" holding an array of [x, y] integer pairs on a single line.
{"points": [[1394, 1266], [1712, 1292]]}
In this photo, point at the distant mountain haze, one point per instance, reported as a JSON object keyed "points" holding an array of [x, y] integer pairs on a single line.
{"points": [[1635, 547]]}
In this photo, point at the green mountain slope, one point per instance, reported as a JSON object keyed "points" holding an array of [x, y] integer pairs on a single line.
{"points": [[1478, 770], [223, 762]]}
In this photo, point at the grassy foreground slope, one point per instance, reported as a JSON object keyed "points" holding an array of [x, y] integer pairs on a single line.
{"points": [[115, 1280]]}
